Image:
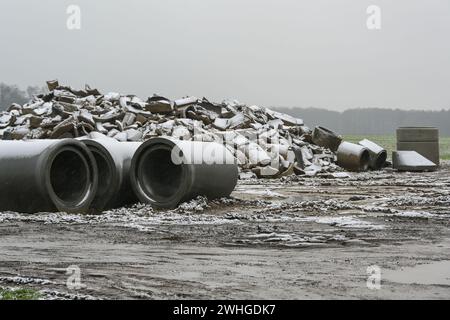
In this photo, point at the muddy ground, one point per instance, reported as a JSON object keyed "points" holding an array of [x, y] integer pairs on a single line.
{"points": [[295, 238]]}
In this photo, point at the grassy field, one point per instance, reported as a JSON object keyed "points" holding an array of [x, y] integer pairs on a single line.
{"points": [[389, 142], [19, 294]]}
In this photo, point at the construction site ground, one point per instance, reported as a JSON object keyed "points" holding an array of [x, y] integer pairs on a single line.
{"points": [[291, 238]]}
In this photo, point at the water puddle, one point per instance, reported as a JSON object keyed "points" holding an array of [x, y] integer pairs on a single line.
{"points": [[437, 273]]}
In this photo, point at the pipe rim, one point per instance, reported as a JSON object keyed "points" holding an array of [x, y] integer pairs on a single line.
{"points": [[141, 187], [364, 160], [380, 160], [82, 203], [100, 201]]}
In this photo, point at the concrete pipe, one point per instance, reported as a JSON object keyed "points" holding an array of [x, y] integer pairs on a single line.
{"points": [[424, 140], [166, 172], [353, 157], [326, 138], [378, 154], [46, 176], [113, 160]]}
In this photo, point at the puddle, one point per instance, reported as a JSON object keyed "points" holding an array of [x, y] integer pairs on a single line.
{"points": [[437, 273], [346, 222]]}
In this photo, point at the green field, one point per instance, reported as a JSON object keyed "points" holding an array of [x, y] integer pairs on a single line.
{"points": [[19, 294], [389, 142]]}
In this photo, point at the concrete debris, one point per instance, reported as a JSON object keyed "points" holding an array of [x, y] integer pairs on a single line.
{"points": [[378, 154], [340, 175], [411, 161], [265, 172], [424, 140], [326, 138], [353, 157], [265, 143]]}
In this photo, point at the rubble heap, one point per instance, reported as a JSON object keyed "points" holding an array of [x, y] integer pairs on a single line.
{"points": [[266, 143]]}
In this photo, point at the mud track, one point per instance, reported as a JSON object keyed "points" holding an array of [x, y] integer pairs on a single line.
{"points": [[293, 238]]}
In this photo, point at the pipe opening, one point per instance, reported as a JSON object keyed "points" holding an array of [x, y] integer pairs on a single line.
{"points": [[160, 177], [381, 160], [69, 176], [365, 160]]}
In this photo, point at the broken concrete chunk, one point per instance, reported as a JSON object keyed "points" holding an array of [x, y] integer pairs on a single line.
{"points": [[121, 136], [35, 122], [87, 117], [16, 133], [180, 132], [312, 170], [238, 121], [411, 161], [275, 124], [133, 135], [246, 175], [340, 175], [256, 155], [112, 96], [221, 123], [52, 85], [158, 104], [183, 102], [286, 119], [326, 138], [63, 128], [128, 119], [265, 172]]}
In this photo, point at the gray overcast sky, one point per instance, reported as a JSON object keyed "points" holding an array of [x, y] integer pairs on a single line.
{"points": [[281, 52]]}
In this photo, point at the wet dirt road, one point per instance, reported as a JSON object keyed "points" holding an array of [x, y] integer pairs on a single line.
{"points": [[293, 238]]}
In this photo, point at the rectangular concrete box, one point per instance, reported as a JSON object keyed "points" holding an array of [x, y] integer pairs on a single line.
{"points": [[424, 140]]}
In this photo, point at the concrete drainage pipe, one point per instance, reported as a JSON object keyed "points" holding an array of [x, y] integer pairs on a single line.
{"points": [[166, 172], [353, 157], [378, 155], [113, 160], [46, 175]]}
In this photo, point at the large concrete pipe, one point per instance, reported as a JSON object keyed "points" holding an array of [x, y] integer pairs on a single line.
{"points": [[353, 157], [113, 160], [423, 140], [378, 155], [46, 176], [166, 172]]}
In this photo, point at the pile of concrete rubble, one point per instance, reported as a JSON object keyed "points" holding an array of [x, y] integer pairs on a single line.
{"points": [[266, 143]]}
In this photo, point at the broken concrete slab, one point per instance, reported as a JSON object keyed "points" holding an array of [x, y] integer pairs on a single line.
{"points": [[265, 172], [411, 161], [326, 138]]}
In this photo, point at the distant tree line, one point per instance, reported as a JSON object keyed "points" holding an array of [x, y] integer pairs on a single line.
{"points": [[375, 121], [10, 94]]}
